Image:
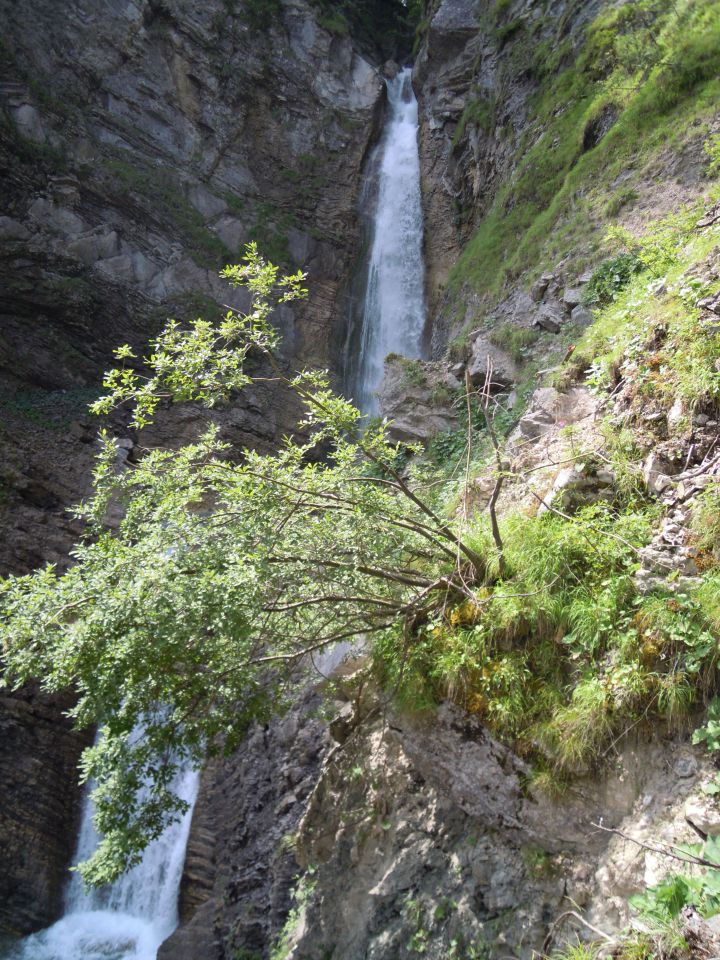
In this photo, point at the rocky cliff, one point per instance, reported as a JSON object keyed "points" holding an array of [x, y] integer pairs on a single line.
{"points": [[141, 146], [135, 171]]}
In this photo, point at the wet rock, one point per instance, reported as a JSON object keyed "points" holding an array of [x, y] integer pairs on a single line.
{"points": [[39, 753]]}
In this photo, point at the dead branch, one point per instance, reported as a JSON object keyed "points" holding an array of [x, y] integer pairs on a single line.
{"points": [[671, 851]]}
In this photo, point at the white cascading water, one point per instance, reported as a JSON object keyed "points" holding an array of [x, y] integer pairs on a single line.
{"points": [[129, 919], [393, 316]]}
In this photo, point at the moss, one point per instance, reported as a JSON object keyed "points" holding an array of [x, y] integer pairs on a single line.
{"points": [[334, 23], [161, 189], [558, 197]]}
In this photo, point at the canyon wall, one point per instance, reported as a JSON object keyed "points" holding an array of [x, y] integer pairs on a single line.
{"points": [[142, 145]]}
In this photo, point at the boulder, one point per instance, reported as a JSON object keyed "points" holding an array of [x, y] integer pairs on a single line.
{"points": [[549, 319], [486, 356], [572, 297], [418, 399]]}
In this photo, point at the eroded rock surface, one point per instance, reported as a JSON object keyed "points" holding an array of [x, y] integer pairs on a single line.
{"points": [[39, 754], [142, 144]]}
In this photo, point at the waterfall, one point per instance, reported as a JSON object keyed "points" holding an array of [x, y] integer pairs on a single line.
{"points": [[393, 312], [130, 918]]}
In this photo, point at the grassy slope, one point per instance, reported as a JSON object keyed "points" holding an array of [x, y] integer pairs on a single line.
{"points": [[563, 671], [654, 62], [559, 653]]}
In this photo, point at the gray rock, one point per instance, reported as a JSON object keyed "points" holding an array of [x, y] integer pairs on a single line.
{"points": [[572, 297], [704, 814], [486, 356], [12, 229], [90, 249], [536, 423], [418, 399], [118, 268], [685, 767], [549, 320], [539, 288], [56, 218], [232, 231], [581, 315], [676, 413], [29, 123], [206, 203]]}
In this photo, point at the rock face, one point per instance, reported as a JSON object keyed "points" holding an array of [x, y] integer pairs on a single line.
{"points": [[421, 839], [420, 399], [474, 84], [240, 867], [39, 754], [142, 145], [135, 172]]}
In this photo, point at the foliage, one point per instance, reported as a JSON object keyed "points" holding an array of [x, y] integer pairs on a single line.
{"points": [[663, 902], [705, 526], [653, 61], [710, 733], [650, 332], [195, 614]]}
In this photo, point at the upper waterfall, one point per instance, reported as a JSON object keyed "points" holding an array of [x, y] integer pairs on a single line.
{"points": [[393, 312]]}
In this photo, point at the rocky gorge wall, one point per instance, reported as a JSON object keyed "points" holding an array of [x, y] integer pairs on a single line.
{"points": [[401, 835], [141, 146], [475, 81]]}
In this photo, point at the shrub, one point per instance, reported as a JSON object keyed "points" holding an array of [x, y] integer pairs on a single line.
{"points": [[610, 278]]}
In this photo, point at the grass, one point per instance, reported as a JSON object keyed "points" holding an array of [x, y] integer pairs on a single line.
{"points": [[559, 653], [660, 336], [163, 189], [655, 63]]}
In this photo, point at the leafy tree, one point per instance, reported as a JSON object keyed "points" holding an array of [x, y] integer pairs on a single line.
{"points": [[200, 610]]}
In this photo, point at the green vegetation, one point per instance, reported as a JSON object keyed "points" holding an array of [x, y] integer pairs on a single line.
{"points": [[479, 112], [197, 621], [644, 76], [384, 28], [261, 15], [539, 630], [162, 191]]}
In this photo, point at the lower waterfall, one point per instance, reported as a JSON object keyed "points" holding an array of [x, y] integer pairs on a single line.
{"points": [[130, 918], [393, 312]]}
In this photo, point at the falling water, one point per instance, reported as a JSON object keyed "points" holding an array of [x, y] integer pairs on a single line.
{"points": [[393, 314], [129, 919]]}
